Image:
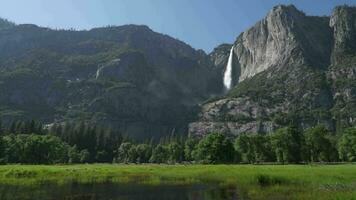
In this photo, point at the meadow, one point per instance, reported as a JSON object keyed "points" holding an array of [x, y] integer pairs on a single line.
{"points": [[254, 181]]}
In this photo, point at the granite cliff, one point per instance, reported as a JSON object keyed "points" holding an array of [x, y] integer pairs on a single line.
{"points": [[288, 68]]}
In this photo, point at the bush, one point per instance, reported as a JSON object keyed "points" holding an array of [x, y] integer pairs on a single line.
{"points": [[267, 180]]}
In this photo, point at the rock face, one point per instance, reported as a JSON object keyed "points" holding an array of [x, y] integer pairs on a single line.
{"points": [[343, 66], [288, 71], [286, 36], [126, 68], [142, 83], [233, 116], [220, 55], [343, 21]]}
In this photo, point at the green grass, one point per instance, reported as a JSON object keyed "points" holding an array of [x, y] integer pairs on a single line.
{"points": [[258, 181]]}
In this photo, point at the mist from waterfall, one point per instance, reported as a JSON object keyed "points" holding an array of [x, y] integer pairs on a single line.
{"points": [[228, 70]]}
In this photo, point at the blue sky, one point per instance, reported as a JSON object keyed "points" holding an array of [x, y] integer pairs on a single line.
{"points": [[203, 24]]}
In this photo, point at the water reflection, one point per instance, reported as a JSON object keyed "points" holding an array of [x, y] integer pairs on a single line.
{"points": [[117, 192]]}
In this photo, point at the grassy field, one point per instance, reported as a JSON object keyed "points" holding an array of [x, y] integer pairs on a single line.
{"points": [[257, 181]]}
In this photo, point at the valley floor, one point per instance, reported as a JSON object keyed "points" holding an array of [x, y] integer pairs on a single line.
{"points": [[249, 181]]}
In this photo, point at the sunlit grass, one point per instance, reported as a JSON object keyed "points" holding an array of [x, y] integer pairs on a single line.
{"points": [[258, 181]]}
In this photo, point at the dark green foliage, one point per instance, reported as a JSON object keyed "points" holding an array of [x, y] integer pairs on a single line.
{"points": [[287, 144], [215, 148], [73, 155], [35, 149], [190, 148], [267, 180], [100, 142], [254, 148], [143, 152], [84, 156], [245, 147], [124, 153], [159, 154], [25, 127], [347, 145], [319, 145], [175, 152], [39, 149], [103, 157]]}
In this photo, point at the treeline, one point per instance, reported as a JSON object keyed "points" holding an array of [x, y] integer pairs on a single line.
{"points": [[39, 149], [76, 142], [286, 145], [86, 143], [101, 142]]}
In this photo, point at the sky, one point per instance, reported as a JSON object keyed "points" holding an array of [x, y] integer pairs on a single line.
{"points": [[203, 24]]}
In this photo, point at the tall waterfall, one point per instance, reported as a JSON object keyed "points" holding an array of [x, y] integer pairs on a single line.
{"points": [[228, 70]]}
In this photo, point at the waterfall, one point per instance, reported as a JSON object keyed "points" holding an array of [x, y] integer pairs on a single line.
{"points": [[228, 70]]}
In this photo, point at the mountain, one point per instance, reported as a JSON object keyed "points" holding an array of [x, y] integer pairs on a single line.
{"points": [[142, 83], [287, 68]]}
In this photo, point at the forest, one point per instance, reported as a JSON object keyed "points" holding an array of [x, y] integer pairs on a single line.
{"points": [[29, 142]]}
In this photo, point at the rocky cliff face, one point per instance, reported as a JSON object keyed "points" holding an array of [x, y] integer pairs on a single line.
{"points": [[343, 66], [220, 55], [283, 69], [286, 36], [343, 22]]}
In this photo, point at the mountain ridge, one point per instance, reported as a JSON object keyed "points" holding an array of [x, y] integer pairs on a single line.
{"points": [[282, 75], [142, 83], [287, 68]]}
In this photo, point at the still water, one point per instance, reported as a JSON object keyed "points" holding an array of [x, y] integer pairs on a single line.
{"points": [[117, 192]]}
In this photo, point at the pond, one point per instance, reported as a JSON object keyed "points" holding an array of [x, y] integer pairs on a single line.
{"points": [[118, 192]]}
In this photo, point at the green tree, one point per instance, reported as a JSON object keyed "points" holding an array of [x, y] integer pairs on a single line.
{"points": [[319, 146], [215, 148], [73, 155], [56, 151], [132, 154], [35, 149], [347, 145], [189, 148], [254, 148], [245, 148], [159, 154], [123, 153], [287, 145], [263, 148], [143, 152], [13, 148], [175, 152], [84, 156]]}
